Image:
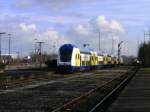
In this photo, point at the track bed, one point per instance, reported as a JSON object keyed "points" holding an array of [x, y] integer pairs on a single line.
{"points": [[45, 98]]}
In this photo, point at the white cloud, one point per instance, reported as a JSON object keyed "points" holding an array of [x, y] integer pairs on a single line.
{"points": [[116, 26], [49, 37], [81, 29], [52, 36], [89, 33], [24, 27], [25, 34], [100, 22]]}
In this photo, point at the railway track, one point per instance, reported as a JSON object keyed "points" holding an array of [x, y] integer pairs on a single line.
{"points": [[21, 79], [102, 95], [103, 104], [14, 80], [51, 95]]}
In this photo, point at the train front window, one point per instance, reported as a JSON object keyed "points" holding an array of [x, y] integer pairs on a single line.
{"points": [[65, 55]]}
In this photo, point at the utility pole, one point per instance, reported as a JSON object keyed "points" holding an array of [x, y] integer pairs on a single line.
{"points": [[144, 37], [35, 51], [40, 52], [35, 45], [9, 46], [112, 49], [119, 49], [18, 55], [54, 47], [1, 33], [99, 41], [144, 48], [148, 34]]}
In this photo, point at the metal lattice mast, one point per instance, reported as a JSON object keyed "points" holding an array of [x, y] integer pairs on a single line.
{"points": [[39, 51]]}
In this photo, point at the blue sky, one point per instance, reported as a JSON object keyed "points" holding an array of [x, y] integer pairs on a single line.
{"points": [[74, 21]]}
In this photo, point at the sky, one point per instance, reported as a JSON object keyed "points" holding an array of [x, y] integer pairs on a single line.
{"points": [[56, 22]]}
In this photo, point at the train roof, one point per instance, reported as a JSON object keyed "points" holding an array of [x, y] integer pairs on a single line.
{"points": [[100, 54], [68, 46], [86, 51]]}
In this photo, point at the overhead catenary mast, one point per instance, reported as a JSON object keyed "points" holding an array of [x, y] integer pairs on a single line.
{"points": [[148, 34], [119, 50], [1, 33], [112, 48], [9, 47], [40, 52], [99, 41]]}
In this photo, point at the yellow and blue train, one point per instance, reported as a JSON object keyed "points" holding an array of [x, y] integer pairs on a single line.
{"points": [[71, 59]]}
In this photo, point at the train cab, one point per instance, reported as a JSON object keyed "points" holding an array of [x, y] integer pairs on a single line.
{"points": [[68, 58]]}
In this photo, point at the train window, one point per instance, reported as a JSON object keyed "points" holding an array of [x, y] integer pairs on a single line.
{"points": [[65, 54], [82, 63]]}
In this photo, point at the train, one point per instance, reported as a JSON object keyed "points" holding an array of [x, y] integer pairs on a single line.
{"points": [[72, 59]]}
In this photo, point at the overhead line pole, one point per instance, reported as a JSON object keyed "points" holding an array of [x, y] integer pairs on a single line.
{"points": [[99, 41], [148, 34], [119, 49], [112, 49], [1, 46], [9, 41], [40, 52], [144, 49]]}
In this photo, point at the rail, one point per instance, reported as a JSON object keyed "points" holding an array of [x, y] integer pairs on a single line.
{"points": [[75, 101], [107, 99]]}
